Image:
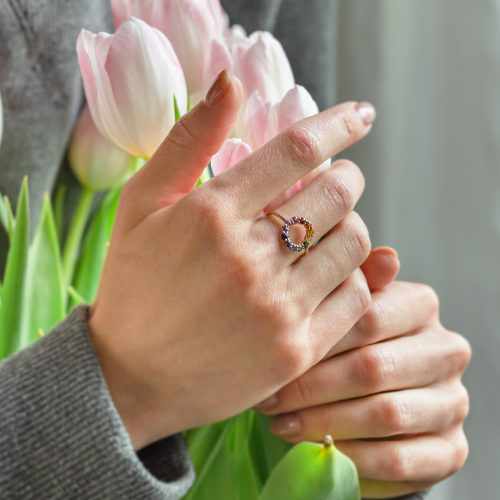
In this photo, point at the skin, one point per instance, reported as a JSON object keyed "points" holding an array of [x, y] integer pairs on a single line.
{"points": [[198, 289], [390, 394]]}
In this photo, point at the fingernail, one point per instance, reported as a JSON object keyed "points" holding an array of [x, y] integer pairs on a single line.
{"points": [[367, 112], [267, 404], [219, 88], [286, 425], [386, 250]]}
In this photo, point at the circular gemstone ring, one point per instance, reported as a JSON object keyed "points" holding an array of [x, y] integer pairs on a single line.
{"points": [[288, 223]]}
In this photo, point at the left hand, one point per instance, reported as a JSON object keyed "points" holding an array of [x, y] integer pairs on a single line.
{"points": [[391, 395]]}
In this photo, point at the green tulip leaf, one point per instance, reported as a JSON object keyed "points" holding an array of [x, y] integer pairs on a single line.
{"points": [[95, 248], [58, 211], [13, 290], [313, 471], [45, 292]]}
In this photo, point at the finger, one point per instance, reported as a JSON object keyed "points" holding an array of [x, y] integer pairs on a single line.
{"points": [[179, 161], [403, 363], [263, 175], [424, 460], [415, 411], [331, 261], [396, 310], [381, 267]]}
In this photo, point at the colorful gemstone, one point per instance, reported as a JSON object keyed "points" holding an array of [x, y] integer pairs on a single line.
{"points": [[288, 243], [285, 229], [305, 244], [295, 220], [293, 248], [302, 220], [284, 236]]}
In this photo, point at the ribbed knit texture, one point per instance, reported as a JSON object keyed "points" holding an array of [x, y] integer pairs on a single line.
{"points": [[61, 437]]}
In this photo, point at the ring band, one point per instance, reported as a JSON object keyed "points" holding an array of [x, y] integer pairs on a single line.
{"points": [[294, 247]]}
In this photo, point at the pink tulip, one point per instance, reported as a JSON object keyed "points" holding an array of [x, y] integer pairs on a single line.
{"points": [[130, 80], [259, 61], [231, 152], [96, 162], [190, 25]]}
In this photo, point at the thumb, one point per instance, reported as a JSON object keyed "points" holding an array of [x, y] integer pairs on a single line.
{"points": [[176, 166], [381, 267]]}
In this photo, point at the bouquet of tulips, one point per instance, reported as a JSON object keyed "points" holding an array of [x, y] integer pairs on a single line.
{"points": [[138, 82]]}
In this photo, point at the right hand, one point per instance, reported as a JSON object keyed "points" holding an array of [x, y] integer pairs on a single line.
{"points": [[201, 311]]}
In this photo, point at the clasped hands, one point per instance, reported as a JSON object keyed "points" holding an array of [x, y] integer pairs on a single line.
{"points": [[201, 312]]}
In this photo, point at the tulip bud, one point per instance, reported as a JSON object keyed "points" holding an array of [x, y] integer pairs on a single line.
{"points": [[130, 81], [189, 25], [96, 162], [259, 61], [311, 470], [231, 152]]}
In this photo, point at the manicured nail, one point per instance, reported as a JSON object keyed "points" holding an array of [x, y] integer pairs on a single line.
{"points": [[286, 425], [219, 88], [367, 112], [386, 250], [267, 404]]}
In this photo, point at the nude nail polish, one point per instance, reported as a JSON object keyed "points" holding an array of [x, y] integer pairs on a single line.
{"points": [[286, 425], [366, 112], [267, 404], [219, 88]]}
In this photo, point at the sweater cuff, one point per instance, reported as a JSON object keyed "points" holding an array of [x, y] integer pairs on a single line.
{"points": [[61, 436]]}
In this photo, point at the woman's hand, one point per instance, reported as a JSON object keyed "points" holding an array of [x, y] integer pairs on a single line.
{"points": [[201, 310], [391, 395]]}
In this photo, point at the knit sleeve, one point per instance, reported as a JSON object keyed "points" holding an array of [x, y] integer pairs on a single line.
{"points": [[61, 436]]}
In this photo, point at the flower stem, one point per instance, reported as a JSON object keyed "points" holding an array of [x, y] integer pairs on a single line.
{"points": [[74, 238]]}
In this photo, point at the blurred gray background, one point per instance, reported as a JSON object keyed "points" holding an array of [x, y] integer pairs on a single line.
{"points": [[432, 165]]}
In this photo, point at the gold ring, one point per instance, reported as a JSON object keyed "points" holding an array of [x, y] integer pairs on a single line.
{"points": [[294, 247]]}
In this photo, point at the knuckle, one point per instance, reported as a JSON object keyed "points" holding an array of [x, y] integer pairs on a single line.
{"points": [[462, 351], [304, 146], [463, 404], [400, 464], [396, 413], [302, 389], [462, 452], [361, 294], [377, 365], [338, 193], [431, 298], [376, 320], [349, 124], [358, 243]]}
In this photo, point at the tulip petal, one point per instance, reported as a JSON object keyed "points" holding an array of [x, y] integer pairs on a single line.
{"points": [[141, 64], [256, 121], [123, 10], [231, 152], [218, 59], [295, 106], [263, 66]]}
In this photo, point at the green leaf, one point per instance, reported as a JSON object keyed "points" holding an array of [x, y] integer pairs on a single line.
{"points": [[4, 216], [208, 463], [74, 239], [275, 448], [45, 291], [76, 297], [176, 110], [11, 220], [249, 482], [59, 210], [95, 246], [11, 310]]}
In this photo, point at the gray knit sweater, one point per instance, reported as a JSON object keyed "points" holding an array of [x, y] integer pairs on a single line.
{"points": [[60, 435]]}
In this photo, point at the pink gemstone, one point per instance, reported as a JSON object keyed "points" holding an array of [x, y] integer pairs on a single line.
{"points": [[295, 220]]}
